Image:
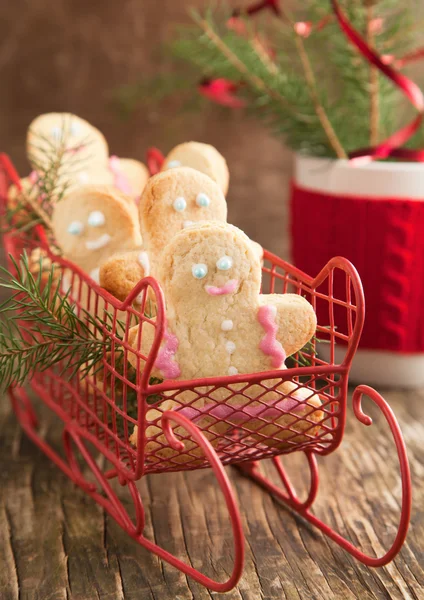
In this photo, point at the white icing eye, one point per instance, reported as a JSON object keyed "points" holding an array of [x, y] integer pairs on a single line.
{"points": [[74, 129], [180, 204], [96, 219], [56, 133], [75, 228], [83, 177], [203, 200], [199, 270], [224, 263], [172, 164]]}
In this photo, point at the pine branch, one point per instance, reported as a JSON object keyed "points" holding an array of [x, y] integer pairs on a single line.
{"points": [[40, 328], [233, 59]]}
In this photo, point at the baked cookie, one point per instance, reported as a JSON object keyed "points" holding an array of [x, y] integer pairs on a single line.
{"points": [[202, 157], [85, 145], [92, 223], [170, 201], [218, 324], [86, 159]]}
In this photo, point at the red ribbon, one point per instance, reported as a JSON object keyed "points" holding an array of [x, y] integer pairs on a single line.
{"points": [[408, 87], [154, 159], [221, 91], [255, 8]]}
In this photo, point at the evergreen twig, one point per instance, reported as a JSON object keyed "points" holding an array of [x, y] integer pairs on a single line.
{"points": [[39, 327]]}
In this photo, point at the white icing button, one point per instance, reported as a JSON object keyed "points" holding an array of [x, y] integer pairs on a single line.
{"points": [[230, 347], [172, 164], [143, 259], [83, 177], [227, 325], [232, 371], [96, 218]]}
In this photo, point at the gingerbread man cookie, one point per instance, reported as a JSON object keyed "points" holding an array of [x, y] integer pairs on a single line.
{"points": [[92, 223], [202, 157], [86, 157], [218, 323], [171, 200]]}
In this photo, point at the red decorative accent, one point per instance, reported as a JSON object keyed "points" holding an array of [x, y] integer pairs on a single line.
{"points": [[413, 56], [272, 5], [303, 28], [221, 91], [155, 160], [408, 87], [289, 497], [383, 237], [99, 412]]}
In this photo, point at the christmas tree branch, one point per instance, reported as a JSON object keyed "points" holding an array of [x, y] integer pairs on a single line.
{"points": [[55, 333], [313, 90], [233, 59]]}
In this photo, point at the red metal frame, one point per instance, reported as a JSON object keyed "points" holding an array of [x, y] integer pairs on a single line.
{"points": [[100, 411]]}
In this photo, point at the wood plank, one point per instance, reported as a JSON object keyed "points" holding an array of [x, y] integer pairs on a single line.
{"points": [[58, 544]]}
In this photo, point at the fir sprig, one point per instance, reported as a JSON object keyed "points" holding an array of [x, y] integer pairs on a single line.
{"points": [[39, 327]]}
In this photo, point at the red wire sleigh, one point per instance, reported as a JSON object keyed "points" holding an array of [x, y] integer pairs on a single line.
{"points": [[97, 420]]}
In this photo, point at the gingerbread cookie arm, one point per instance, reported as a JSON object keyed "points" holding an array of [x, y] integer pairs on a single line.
{"points": [[288, 320], [166, 364], [130, 175], [121, 272]]}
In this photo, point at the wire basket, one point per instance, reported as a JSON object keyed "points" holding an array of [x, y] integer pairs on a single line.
{"points": [[140, 426]]}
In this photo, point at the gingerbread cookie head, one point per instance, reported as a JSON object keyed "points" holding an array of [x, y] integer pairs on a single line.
{"points": [[175, 199], [84, 144], [202, 157], [210, 264], [92, 223]]}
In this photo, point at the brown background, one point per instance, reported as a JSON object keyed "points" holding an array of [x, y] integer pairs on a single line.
{"points": [[70, 55]]}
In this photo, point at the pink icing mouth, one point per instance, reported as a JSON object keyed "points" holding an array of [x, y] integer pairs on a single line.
{"points": [[75, 150], [229, 288], [165, 359], [269, 344]]}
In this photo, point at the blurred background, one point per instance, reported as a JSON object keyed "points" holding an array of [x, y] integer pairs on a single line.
{"points": [[72, 55]]}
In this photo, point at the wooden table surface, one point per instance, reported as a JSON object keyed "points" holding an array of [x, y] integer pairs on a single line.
{"points": [[56, 543]]}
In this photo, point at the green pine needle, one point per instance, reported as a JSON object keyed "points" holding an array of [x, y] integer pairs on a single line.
{"points": [[275, 87], [39, 328]]}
